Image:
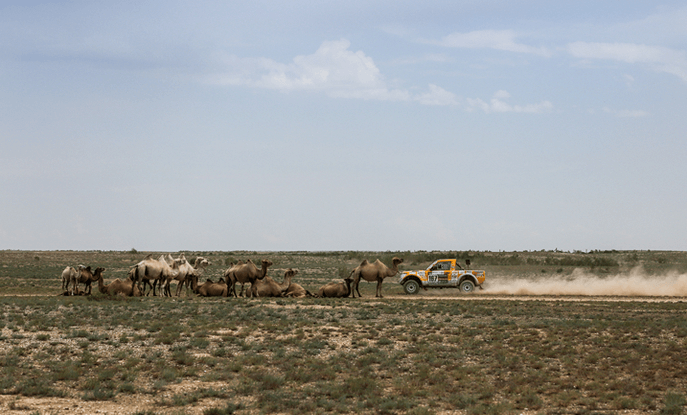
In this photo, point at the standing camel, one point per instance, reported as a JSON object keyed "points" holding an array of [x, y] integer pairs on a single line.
{"points": [[157, 270], [186, 272], [67, 275], [376, 271], [85, 276], [244, 273]]}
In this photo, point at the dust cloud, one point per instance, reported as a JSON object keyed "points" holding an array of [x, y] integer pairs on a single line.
{"points": [[634, 283]]}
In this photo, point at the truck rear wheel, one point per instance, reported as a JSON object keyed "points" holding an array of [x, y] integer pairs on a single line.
{"points": [[467, 287], [411, 287]]}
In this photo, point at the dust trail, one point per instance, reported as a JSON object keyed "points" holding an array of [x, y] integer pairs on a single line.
{"points": [[634, 283]]}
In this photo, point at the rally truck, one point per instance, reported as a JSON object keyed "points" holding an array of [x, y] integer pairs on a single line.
{"points": [[443, 273]]}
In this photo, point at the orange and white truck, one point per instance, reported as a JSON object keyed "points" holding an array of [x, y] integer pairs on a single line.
{"points": [[443, 273]]}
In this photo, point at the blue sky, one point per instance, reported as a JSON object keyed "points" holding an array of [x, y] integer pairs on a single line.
{"points": [[359, 125]]}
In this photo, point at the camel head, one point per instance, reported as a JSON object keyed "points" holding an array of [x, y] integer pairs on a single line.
{"points": [[201, 262], [394, 266]]}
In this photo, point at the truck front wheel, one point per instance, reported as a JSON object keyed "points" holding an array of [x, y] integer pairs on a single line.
{"points": [[411, 287], [467, 287]]}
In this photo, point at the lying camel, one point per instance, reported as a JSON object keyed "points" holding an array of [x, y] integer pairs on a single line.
{"points": [[127, 287], [338, 289], [209, 288], [267, 287], [376, 271], [295, 290], [85, 276], [244, 273]]}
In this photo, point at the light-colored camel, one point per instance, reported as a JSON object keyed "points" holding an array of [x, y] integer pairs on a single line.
{"points": [[243, 273], [295, 290], [267, 287], [209, 288], [119, 287], [68, 274], [337, 289], [186, 272], [85, 276], [157, 270], [376, 271]]}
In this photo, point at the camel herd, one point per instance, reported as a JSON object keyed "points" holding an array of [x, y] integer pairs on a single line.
{"points": [[153, 275]]}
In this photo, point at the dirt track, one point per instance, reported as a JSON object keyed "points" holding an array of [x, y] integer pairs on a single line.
{"points": [[428, 296]]}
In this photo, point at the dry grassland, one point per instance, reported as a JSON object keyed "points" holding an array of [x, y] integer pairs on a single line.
{"points": [[515, 347]]}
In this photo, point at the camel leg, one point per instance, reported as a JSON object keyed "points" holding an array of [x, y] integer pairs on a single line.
{"points": [[379, 288], [356, 283]]}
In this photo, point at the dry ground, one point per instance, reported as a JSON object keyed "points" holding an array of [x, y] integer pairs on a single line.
{"points": [[438, 352]]}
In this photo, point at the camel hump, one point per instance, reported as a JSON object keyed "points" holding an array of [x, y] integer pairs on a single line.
{"points": [[365, 262]]}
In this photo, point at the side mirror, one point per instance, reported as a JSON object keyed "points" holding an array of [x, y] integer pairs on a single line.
{"points": [[467, 263]]}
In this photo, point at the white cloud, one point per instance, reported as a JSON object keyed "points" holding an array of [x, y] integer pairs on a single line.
{"points": [[626, 113], [437, 96], [332, 69], [490, 39], [658, 58], [498, 104]]}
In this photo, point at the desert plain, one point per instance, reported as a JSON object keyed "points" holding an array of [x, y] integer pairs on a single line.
{"points": [[600, 332]]}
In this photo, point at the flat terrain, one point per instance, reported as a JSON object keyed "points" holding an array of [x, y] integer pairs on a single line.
{"points": [[601, 332]]}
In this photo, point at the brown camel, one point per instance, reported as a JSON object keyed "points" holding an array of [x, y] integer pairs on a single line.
{"points": [[157, 270], [338, 289], [127, 287], [209, 288], [244, 273], [85, 276], [376, 271], [267, 287], [295, 290], [229, 272]]}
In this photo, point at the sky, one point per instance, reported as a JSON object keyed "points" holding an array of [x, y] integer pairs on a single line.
{"points": [[360, 125]]}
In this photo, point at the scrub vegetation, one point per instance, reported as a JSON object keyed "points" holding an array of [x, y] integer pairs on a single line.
{"points": [[418, 355]]}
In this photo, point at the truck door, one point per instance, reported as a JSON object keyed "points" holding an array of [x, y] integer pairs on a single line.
{"points": [[440, 273]]}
